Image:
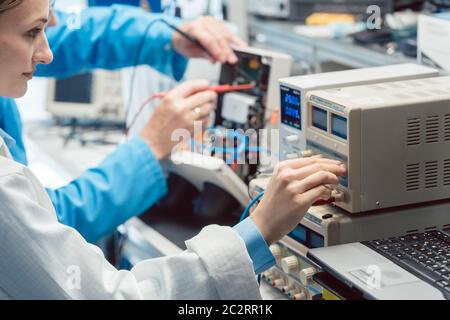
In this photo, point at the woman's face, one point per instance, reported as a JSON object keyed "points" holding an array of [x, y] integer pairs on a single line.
{"points": [[23, 45]]}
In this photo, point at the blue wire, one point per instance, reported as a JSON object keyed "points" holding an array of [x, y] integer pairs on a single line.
{"points": [[233, 150], [250, 205], [313, 290], [241, 148]]}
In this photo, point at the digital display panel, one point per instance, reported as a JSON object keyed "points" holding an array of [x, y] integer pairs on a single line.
{"points": [[291, 108], [77, 89], [319, 118], [339, 126]]}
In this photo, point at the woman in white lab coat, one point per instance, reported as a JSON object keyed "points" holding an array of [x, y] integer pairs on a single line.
{"points": [[42, 259]]}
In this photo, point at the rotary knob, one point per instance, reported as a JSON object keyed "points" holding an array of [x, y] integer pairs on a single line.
{"points": [[307, 153], [276, 252], [290, 264], [306, 275], [292, 156], [339, 196], [292, 139]]}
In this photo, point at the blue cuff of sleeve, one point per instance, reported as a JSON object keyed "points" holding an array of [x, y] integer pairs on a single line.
{"points": [[256, 245]]}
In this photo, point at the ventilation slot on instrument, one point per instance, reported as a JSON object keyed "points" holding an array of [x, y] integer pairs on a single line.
{"points": [[412, 177], [431, 174], [414, 132], [432, 130], [446, 175], [447, 127]]}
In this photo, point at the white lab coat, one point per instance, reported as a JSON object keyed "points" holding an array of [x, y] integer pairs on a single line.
{"points": [[42, 259]]}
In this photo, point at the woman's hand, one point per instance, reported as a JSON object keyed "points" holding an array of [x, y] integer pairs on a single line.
{"points": [[213, 35], [295, 186], [179, 109]]}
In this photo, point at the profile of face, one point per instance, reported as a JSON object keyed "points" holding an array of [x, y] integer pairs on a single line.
{"points": [[23, 45]]}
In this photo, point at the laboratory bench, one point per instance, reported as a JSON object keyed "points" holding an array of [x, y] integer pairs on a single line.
{"points": [[281, 36]]}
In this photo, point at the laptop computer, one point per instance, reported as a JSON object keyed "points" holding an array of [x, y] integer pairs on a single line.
{"points": [[413, 267]]}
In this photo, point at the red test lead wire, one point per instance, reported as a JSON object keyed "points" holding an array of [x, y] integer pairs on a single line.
{"points": [[219, 89]]}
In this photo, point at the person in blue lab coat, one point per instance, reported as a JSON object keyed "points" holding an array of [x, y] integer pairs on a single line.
{"points": [[130, 180]]}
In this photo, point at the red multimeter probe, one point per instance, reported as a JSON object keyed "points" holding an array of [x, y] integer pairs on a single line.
{"points": [[219, 89]]}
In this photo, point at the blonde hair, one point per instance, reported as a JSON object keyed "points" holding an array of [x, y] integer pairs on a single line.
{"points": [[8, 4]]}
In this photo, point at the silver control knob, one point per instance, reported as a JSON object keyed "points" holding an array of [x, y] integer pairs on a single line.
{"points": [[306, 275], [276, 251], [307, 154], [292, 156], [290, 264], [339, 196], [294, 139]]}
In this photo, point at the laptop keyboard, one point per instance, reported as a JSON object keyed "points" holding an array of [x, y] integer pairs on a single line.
{"points": [[426, 255]]}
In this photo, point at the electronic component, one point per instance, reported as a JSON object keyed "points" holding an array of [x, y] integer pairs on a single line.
{"points": [[263, 69], [236, 108], [293, 91], [249, 111], [393, 137], [93, 96]]}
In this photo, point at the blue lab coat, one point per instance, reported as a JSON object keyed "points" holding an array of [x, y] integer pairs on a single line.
{"points": [[130, 180]]}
